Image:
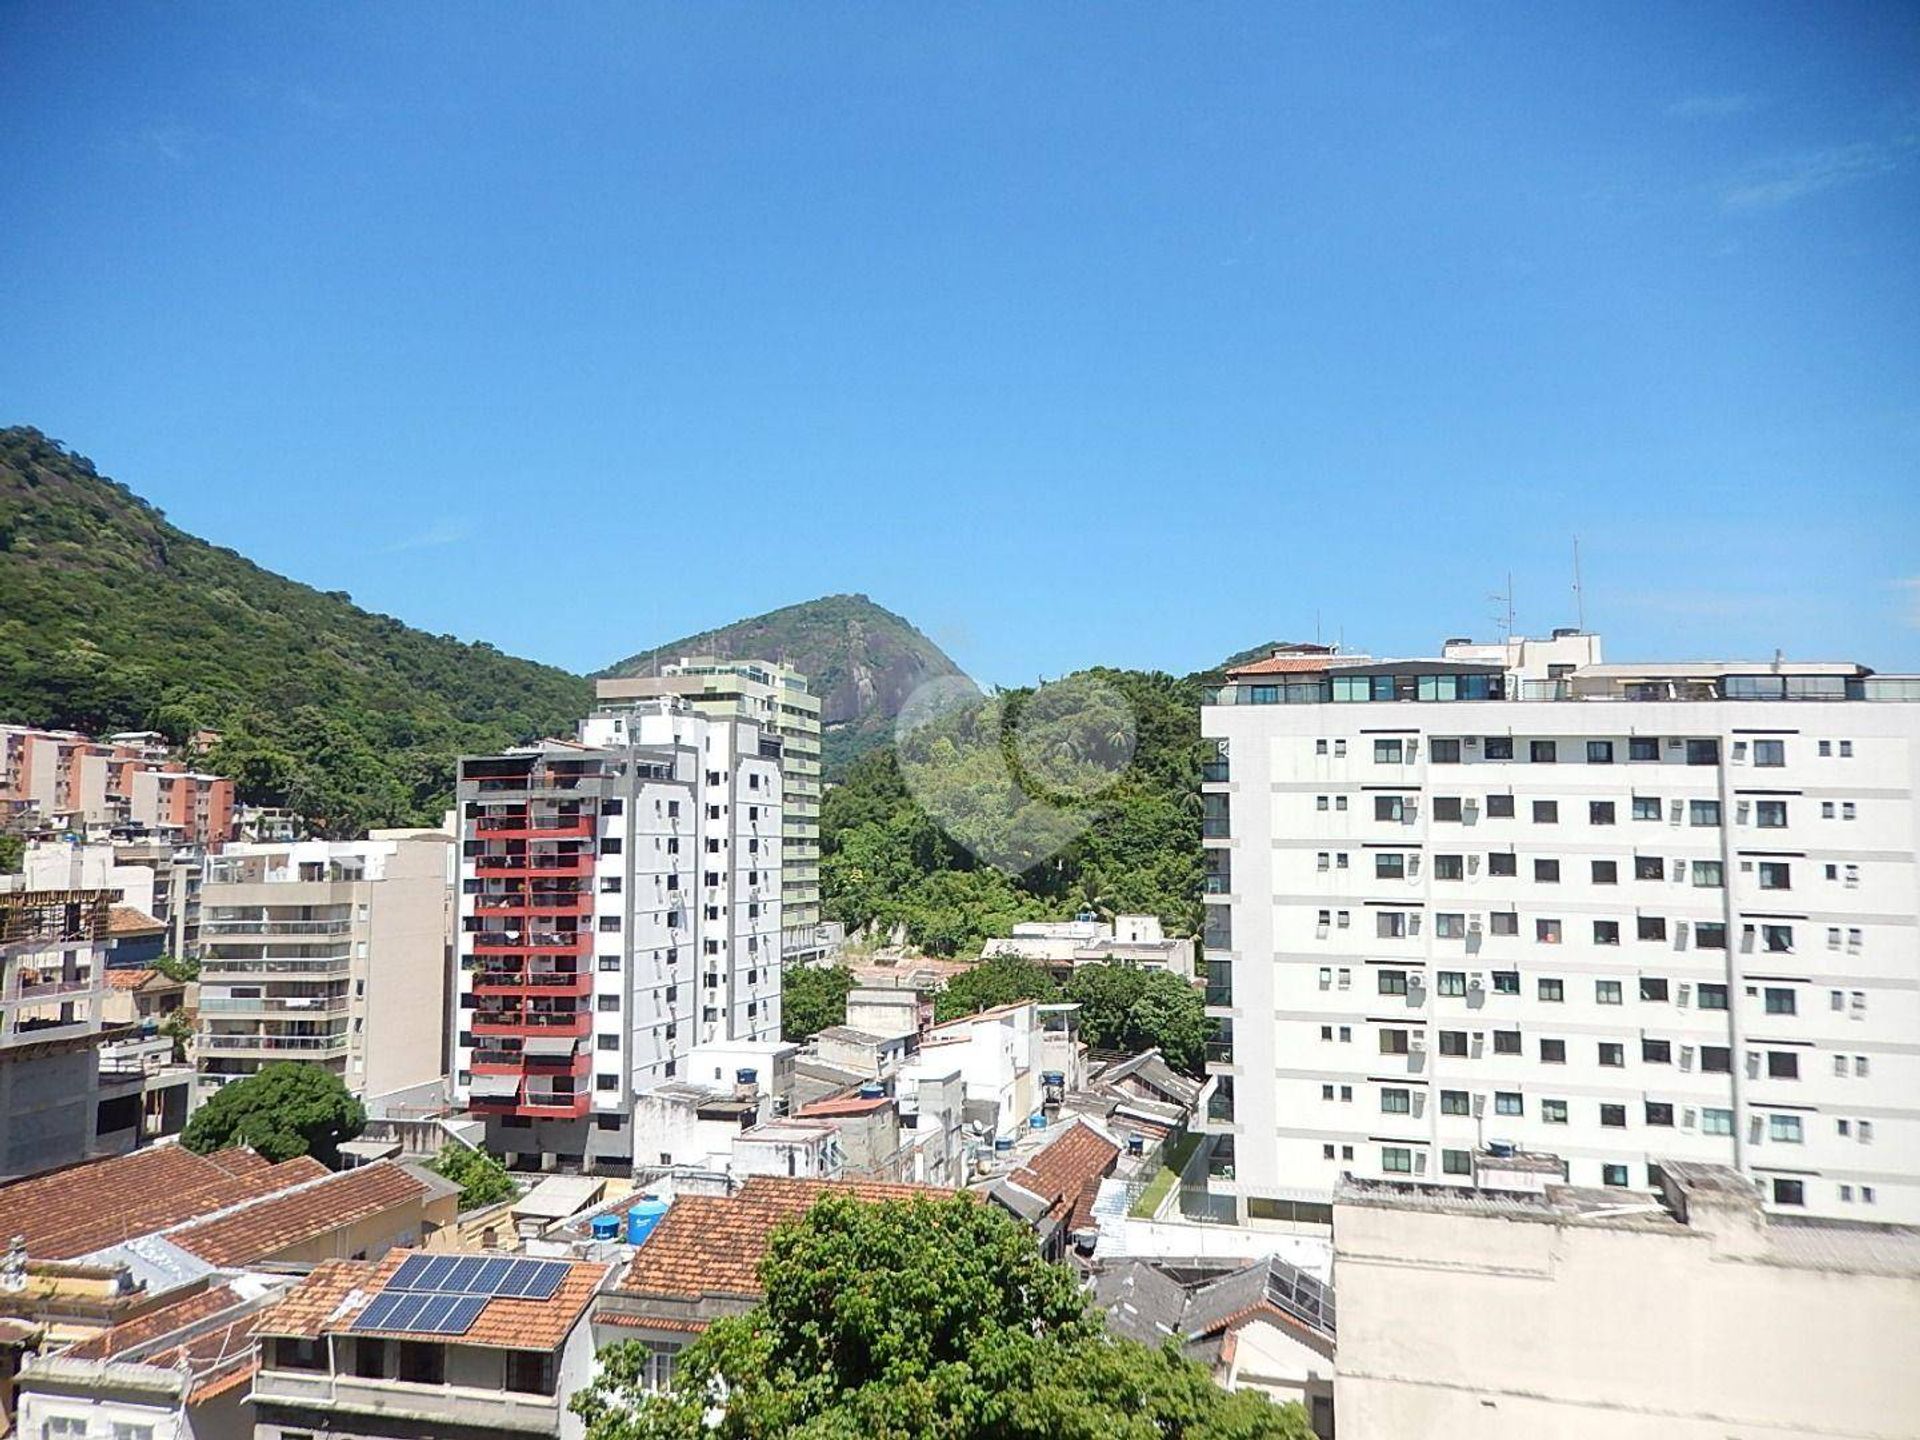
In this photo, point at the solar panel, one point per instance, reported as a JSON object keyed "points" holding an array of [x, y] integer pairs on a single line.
{"points": [[378, 1313], [421, 1312], [478, 1275], [466, 1310], [492, 1273], [434, 1312], [465, 1271], [533, 1279]]}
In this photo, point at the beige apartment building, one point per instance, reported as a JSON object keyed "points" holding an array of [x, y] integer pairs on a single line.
{"points": [[336, 953], [776, 698], [1577, 1312]]}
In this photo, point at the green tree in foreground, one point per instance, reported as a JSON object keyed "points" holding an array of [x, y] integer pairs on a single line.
{"points": [[812, 998], [12, 853], [924, 1318], [482, 1179], [286, 1110]]}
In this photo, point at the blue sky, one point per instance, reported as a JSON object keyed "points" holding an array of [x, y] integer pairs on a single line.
{"points": [[1089, 334]]}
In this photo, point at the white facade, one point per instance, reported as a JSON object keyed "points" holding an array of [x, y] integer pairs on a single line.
{"points": [[655, 846], [1608, 929]]}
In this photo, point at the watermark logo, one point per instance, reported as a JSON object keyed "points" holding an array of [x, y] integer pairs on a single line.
{"points": [[1014, 779]]}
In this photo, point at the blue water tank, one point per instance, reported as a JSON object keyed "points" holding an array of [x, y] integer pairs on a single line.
{"points": [[643, 1217], [1054, 1077], [872, 1090], [1036, 1122], [1002, 1146], [606, 1227]]}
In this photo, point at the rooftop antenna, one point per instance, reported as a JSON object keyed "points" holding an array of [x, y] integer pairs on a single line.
{"points": [[1316, 626], [1503, 617], [1579, 595]]}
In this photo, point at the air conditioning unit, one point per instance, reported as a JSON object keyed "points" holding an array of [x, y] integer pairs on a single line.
{"points": [[1687, 1117], [1686, 1057], [1475, 924], [1479, 1106], [1472, 742], [1476, 982], [1416, 1044], [1478, 1044], [1683, 994], [1419, 1162]]}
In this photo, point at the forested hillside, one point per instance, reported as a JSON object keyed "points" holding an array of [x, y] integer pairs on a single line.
{"points": [[861, 659], [113, 619], [887, 862]]}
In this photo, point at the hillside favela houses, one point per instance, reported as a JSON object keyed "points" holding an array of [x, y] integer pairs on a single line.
{"points": [[1514, 900], [59, 780]]}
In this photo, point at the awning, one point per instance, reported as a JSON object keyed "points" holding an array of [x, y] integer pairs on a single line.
{"points": [[494, 1087], [549, 1046]]}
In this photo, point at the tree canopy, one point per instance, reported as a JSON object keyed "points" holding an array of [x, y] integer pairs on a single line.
{"points": [[925, 1318], [1071, 807], [812, 997], [482, 1179], [287, 1109], [1122, 1007]]}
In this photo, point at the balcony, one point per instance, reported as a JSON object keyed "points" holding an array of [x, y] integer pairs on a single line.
{"points": [[576, 902], [213, 929], [277, 1005], [305, 1045], [436, 1406], [520, 827], [530, 942], [518, 1062], [510, 983], [532, 1022], [580, 863]]}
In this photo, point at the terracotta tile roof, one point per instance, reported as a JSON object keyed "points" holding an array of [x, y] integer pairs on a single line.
{"points": [[1284, 665], [1068, 1171], [845, 1105], [126, 920], [336, 1291], [129, 979], [85, 1207], [260, 1231], [149, 1327], [650, 1322], [239, 1160], [713, 1244]]}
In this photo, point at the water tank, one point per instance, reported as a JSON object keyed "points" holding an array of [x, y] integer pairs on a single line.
{"points": [[606, 1227], [1053, 1077], [1036, 1122], [1500, 1149], [1002, 1147], [1136, 1145], [643, 1217], [746, 1076], [872, 1090]]}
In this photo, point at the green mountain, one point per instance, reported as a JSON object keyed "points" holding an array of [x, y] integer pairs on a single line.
{"points": [[861, 660], [113, 619]]}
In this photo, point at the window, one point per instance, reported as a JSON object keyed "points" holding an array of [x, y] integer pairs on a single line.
{"points": [[1713, 995], [1651, 927], [1788, 1192], [606, 1082], [1393, 982], [1386, 752], [530, 1372], [1503, 863], [1606, 872], [1546, 872], [1600, 812], [1319, 802], [1776, 875], [1846, 749], [1449, 867], [1552, 990], [1649, 867], [1769, 752], [606, 1042], [1599, 752], [1653, 988], [1547, 932], [1784, 1129], [1553, 1112], [1776, 939], [609, 924], [1716, 1122], [1643, 748], [1708, 874], [1656, 1052], [1553, 1052], [1783, 1065], [1506, 982], [1446, 808], [1390, 924], [1388, 807], [1453, 1042], [64, 1425], [1612, 1055], [1543, 752], [1716, 1060], [1710, 935], [1396, 1160], [1606, 932], [422, 1363], [1614, 1175], [1659, 1112], [1499, 807], [610, 846], [1506, 1042], [1454, 1102], [1613, 1117], [1450, 927], [1546, 812], [1320, 747], [1393, 1042], [1703, 812], [1504, 922], [1444, 752], [1389, 866], [1396, 1102], [1770, 814], [1703, 752], [1508, 1102], [1606, 992], [1497, 747], [1456, 1162], [1646, 807]]}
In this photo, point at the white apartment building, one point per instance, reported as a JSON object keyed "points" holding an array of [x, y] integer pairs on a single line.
{"points": [[330, 952], [52, 960], [776, 698], [1530, 902], [620, 903]]}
